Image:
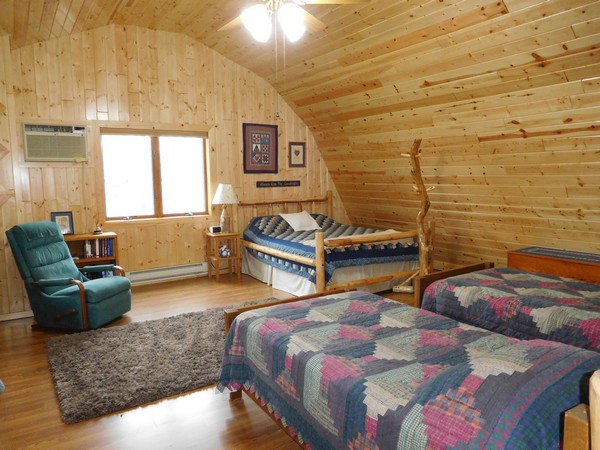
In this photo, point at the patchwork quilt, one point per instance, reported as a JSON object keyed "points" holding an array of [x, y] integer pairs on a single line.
{"points": [[355, 370], [274, 232], [521, 304]]}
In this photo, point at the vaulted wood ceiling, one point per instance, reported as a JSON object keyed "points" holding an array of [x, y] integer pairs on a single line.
{"points": [[381, 57], [504, 93]]}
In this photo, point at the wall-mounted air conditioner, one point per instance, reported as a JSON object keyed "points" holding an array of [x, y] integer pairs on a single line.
{"points": [[55, 143]]}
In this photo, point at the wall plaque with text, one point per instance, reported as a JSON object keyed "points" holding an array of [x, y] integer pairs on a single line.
{"points": [[269, 184]]}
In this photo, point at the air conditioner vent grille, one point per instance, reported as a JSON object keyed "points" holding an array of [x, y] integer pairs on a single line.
{"points": [[61, 143]]}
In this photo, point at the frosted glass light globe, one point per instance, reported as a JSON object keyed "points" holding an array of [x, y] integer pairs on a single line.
{"points": [[291, 19], [257, 21]]}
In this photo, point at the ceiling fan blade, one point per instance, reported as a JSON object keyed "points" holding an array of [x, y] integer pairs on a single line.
{"points": [[231, 24], [312, 23]]}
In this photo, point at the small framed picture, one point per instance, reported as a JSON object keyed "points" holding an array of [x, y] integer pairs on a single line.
{"points": [[64, 219], [297, 154]]}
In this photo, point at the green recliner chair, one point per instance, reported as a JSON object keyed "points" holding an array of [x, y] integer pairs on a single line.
{"points": [[59, 294]]}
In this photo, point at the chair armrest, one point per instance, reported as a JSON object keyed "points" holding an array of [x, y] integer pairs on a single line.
{"points": [[98, 268], [117, 270], [55, 282]]}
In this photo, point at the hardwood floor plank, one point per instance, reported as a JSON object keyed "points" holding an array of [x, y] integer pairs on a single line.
{"points": [[29, 413]]}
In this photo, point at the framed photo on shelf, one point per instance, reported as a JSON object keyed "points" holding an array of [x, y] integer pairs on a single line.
{"points": [[297, 154], [64, 219], [260, 148]]}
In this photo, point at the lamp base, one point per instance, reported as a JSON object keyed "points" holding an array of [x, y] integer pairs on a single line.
{"points": [[225, 221]]}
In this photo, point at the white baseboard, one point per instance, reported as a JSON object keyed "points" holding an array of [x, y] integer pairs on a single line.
{"points": [[167, 273]]}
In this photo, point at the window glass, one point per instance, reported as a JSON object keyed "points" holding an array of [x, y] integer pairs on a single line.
{"points": [[182, 174], [153, 175], [128, 184]]}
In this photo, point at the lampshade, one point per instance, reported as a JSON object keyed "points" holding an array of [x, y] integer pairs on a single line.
{"points": [[225, 195]]}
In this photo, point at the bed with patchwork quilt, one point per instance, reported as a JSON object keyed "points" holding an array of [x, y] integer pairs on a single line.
{"points": [[315, 253], [521, 304], [356, 370]]}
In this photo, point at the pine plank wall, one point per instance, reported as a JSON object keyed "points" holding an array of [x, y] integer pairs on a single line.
{"points": [[130, 77], [509, 122]]}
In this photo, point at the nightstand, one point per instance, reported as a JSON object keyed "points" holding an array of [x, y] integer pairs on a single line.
{"points": [[215, 258]]}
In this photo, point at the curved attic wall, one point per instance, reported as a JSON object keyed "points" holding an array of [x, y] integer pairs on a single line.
{"points": [[135, 77], [506, 97]]}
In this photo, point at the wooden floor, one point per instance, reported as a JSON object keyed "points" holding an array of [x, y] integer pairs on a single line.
{"points": [[203, 419]]}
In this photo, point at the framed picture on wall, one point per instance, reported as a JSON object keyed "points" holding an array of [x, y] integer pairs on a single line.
{"points": [[260, 148], [297, 154], [64, 219]]}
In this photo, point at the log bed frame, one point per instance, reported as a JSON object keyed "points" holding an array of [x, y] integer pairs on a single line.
{"points": [[322, 245], [423, 233], [579, 433]]}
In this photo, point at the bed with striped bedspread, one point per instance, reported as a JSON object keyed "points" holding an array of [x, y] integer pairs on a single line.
{"points": [[274, 232]]}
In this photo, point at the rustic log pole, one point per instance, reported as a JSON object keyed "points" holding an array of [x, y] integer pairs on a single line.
{"points": [[425, 232]]}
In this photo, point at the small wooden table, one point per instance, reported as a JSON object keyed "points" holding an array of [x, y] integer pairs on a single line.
{"points": [[214, 241]]}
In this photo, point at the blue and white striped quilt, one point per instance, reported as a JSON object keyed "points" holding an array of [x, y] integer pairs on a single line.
{"points": [[274, 232]]}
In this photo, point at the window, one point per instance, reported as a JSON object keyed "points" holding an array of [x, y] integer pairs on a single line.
{"points": [[149, 174]]}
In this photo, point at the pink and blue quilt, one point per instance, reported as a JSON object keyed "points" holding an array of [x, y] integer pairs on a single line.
{"points": [[358, 371], [521, 304]]}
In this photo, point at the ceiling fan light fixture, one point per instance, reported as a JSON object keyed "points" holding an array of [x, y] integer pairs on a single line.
{"points": [[257, 20], [291, 19]]}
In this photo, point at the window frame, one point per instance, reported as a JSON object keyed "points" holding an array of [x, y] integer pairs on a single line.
{"points": [[154, 135]]}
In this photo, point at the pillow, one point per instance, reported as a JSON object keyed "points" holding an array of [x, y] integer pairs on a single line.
{"points": [[301, 221]]}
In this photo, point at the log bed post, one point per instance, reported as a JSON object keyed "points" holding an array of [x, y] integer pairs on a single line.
{"points": [[320, 261], [425, 232], [595, 410], [329, 197]]}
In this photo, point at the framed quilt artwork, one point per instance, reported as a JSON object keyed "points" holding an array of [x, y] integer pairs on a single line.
{"points": [[260, 148], [297, 154]]}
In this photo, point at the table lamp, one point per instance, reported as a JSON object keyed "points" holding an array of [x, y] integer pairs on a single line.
{"points": [[225, 195]]}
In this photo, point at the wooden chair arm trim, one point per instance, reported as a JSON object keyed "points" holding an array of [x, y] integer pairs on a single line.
{"points": [[83, 301]]}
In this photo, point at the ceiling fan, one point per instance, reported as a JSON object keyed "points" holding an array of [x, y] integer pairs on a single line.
{"points": [[258, 18]]}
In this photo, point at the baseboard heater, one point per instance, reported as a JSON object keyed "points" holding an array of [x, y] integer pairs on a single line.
{"points": [[167, 273]]}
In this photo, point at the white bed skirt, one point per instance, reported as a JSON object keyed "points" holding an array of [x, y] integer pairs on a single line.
{"points": [[297, 285]]}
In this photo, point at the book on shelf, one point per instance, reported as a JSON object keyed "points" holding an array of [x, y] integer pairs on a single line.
{"points": [[95, 248]]}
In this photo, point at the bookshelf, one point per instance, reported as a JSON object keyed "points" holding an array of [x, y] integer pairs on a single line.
{"points": [[91, 249]]}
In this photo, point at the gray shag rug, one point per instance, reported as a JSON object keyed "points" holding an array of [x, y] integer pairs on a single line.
{"points": [[106, 370]]}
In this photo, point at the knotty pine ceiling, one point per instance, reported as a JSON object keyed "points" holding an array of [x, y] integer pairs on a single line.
{"points": [[505, 95]]}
